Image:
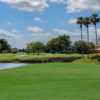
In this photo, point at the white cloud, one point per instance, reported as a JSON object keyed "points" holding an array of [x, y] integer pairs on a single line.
{"points": [[78, 5], [57, 1], [6, 33], [61, 31], [71, 21], [31, 5], [41, 5], [28, 5], [37, 19], [76, 35], [34, 29]]}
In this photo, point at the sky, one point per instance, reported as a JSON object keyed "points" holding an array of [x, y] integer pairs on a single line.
{"points": [[24, 21]]}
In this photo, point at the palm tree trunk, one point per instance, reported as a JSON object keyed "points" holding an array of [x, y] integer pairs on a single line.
{"points": [[88, 38], [81, 32], [88, 35], [81, 38], [96, 35]]}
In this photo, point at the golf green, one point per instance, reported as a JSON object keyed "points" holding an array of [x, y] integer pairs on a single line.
{"points": [[51, 81]]}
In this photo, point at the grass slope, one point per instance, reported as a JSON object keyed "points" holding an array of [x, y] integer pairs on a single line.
{"points": [[54, 81], [86, 60]]}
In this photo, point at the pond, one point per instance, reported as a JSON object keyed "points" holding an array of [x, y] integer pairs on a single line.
{"points": [[10, 65]]}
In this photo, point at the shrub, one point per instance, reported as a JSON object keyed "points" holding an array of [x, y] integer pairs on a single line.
{"points": [[95, 57], [62, 59], [98, 58]]}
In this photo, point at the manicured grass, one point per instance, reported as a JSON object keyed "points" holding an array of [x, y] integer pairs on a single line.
{"points": [[52, 81]]}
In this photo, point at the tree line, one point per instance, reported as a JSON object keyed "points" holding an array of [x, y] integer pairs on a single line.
{"points": [[60, 44]]}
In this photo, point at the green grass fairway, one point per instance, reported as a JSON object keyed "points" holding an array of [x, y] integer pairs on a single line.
{"points": [[54, 81]]}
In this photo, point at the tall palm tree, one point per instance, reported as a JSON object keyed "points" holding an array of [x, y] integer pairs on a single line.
{"points": [[80, 23], [86, 22], [94, 20]]}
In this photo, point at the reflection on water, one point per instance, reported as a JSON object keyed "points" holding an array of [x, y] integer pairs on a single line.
{"points": [[10, 65]]}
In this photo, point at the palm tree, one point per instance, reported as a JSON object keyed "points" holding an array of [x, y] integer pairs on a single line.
{"points": [[86, 22], [94, 20], [80, 23]]}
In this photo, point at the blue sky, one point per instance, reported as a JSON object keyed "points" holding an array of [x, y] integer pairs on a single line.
{"points": [[23, 21]]}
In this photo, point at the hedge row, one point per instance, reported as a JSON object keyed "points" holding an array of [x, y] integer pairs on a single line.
{"points": [[43, 59], [97, 57]]}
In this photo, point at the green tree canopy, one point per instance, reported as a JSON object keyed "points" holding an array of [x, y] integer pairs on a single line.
{"points": [[4, 46], [84, 47], [35, 47], [59, 44]]}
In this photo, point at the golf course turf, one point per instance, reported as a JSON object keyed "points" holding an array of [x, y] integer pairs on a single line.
{"points": [[51, 81]]}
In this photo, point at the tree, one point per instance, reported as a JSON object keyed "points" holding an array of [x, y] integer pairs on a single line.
{"points": [[86, 22], [94, 20], [14, 50], [35, 47], [59, 44], [82, 46], [4, 46], [80, 23]]}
